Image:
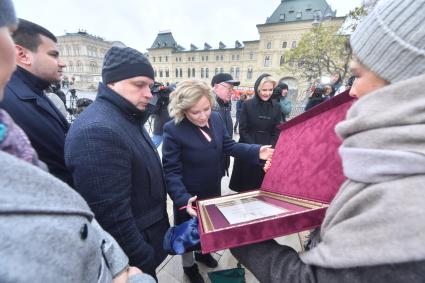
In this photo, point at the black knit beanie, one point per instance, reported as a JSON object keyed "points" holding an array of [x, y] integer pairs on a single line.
{"points": [[122, 63], [7, 13]]}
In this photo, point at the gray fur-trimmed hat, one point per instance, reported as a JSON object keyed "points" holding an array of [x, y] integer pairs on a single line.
{"points": [[7, 13], [122, 63], [390, 41]]}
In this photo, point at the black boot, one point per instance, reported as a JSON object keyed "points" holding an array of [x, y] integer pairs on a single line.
{"points": [[193, 274], [206, 259]]}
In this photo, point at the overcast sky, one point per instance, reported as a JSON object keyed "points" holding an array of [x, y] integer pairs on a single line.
{"points": [[136, 22]]}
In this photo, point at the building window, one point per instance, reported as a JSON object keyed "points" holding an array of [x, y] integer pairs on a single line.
{"points": [[282, 17], [249, 73], [193, 72], [177, 73], [188, 59], [70, 66], [202, 58], [79, 66], [206, 58], [237, 57], [216, 71], [267, 61], [167, 73], [155, 73], [221, 57], [180, 59], [153, 59], [188, 72], [299, 15], [233, 57], [166, 58], [294, 44], [238, 72], [202, 73], [282, 60], [269, 45], [177, 59], [221, 70], [181, 73], [160, 73], [193, 58], [207, 73], [217, 57], [232, 71], [251, 56], [284, 44], [160, 58]]}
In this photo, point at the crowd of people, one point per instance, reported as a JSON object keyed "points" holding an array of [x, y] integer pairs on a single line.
{"points": [[87, 202]]}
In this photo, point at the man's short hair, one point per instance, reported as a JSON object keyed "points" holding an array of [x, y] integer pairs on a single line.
{"points": [[28, 35]]}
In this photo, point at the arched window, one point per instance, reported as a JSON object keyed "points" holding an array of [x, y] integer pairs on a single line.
{"points": [[181, 73], [267, 61], [207, 75], [177, 72], [249, 73], [193, 72], [188, 72], [202, 73], [79, 66]]}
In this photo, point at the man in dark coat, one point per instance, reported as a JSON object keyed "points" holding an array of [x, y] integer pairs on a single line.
{"points": [[39, 65], [223, 84], [115, 165]]}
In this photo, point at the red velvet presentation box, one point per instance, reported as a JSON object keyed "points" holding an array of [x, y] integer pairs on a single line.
{"points": [[305, 174]]}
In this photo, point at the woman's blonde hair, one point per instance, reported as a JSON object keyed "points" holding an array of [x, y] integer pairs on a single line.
{"points": [[265, 80], [186, 95]]}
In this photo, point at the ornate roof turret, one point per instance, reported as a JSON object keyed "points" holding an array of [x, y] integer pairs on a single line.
{"points": [[301, 10], [164, 39]]}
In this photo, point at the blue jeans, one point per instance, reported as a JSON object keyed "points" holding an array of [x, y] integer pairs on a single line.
{"points": [[157, 140]]}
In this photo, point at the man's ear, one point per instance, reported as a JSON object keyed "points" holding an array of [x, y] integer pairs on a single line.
{"points": [[23, 56]]}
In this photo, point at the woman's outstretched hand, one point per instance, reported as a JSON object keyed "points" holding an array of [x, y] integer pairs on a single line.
{"points": [[189, 207], [266, 152], [267, 165]]}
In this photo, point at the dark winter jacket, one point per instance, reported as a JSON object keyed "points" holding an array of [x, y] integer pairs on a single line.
{"points": [[258, 125], [43, 123], [118, 172], [225, 112], [192, 164]]}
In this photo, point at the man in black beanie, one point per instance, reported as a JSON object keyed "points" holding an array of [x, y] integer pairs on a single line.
{"points": [[115, 166]]}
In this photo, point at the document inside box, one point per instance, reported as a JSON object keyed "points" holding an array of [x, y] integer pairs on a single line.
{"points": [[247, 209]]}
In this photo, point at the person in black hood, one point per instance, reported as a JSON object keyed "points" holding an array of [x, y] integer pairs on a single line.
{"points": [[258, 125]]}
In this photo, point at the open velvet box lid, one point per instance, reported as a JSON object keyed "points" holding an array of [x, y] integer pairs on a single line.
{"points": [[305, 174]]}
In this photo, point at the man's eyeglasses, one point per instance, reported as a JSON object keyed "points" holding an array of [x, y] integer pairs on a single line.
{"points": [[229, 88]]}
